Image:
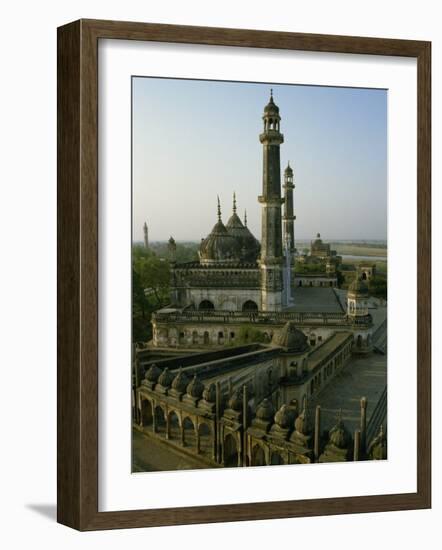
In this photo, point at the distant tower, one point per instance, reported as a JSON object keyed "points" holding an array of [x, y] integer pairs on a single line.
{"points": [[146, 236], [288, 217], [271, 233], [171, 246], [357, 299]]}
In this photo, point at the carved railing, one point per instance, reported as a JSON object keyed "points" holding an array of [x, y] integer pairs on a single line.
{"points": [[261, 317]]}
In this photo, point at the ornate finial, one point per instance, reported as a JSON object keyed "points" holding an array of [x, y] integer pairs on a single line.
{"points": [[271, 94], [318, 235], [288, 164], [234, 202], [219, 209], [245, 218]]}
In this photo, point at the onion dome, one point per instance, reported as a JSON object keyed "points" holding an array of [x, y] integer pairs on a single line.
{"points": [[219, 246], [195, 388], [339, 436], [290, 338], [166, 378], [289, 170], [317, 243], [302, 423], [153, 373], [359, 287], [248, 245], [209, 393], [284, 417], [235, 402], [265, 411], [180, 382], [271, 108]]}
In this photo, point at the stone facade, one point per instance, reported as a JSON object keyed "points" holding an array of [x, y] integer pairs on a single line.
{"points": [[249, 407]]}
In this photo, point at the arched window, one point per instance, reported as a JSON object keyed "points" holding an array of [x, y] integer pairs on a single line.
{"points": [[275, 459], [250, 305], [146, 412], [206, 305], [189, 433], [206, 338], [174, 426], [258, 456], [194, 337], [160, 420], [205, 435], [230, 452]]}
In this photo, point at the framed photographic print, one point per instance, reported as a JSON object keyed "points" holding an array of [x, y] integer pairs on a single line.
{"points": [[243, 274]]}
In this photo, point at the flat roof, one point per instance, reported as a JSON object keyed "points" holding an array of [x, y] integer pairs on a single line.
{"points": [[322, 351], [315, 299]]}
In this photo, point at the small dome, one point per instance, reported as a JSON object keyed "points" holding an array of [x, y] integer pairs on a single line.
{"points": [[339, 436], [235, 402], [180, 382], [271, 108], [265, 410], [153, 373], [318, 240], [291, 338], [288, 170], [302, 423], [284, 417], [209, 393], [195, 388], [358, 287], [166, 378]]}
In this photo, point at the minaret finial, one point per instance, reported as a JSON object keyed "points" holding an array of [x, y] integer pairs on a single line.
{"points": [[234, 202], [271, 94], [245, 218], [219, 209]]}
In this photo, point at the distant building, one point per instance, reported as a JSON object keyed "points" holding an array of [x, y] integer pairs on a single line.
{"points": [[146, 235]]}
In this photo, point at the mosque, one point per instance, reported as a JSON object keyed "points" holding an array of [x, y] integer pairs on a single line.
{"points": [[240, 281], [251, 345]]}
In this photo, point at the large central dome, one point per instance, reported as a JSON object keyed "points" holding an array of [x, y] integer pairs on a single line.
{"points": [[248, 245], [219, 247]]}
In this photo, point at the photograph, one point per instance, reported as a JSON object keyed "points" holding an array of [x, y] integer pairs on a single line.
{"points": [[259, 274]]}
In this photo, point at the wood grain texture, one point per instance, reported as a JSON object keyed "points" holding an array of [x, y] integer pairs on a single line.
{"points": [[77, 225]]}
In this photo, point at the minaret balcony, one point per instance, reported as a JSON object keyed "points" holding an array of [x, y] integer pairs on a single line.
{"points": [[270, 201], [272, 137]]}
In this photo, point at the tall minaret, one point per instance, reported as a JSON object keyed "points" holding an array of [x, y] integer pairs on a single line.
{"points": [[271, 232], [288, 217], [146, 236]]}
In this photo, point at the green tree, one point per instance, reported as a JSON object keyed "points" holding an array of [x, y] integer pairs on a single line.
{"points": [[248, 334], [378, 286], [150, 289]]}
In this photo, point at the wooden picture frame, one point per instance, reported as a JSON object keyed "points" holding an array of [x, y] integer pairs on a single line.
{"points": [[78, 274]]}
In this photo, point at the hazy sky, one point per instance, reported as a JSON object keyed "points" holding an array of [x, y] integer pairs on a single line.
{"points": [[194, 140]]}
